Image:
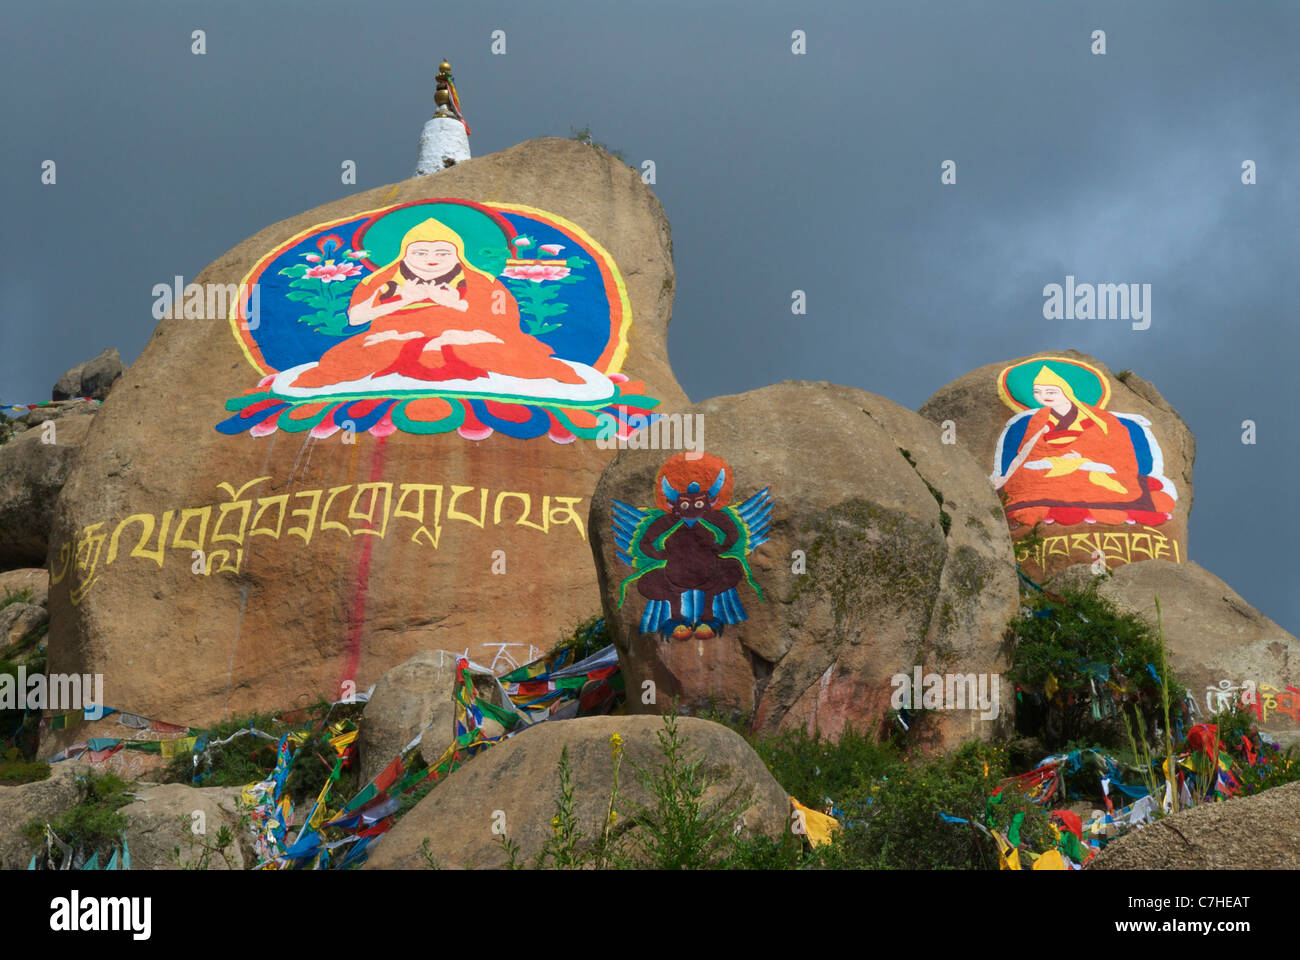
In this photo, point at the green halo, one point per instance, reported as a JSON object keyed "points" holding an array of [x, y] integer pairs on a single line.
{"points": [[1086, 385], [485, 243]]}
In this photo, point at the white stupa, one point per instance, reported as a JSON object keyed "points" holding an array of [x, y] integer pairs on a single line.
{"points": [[444, 141]]}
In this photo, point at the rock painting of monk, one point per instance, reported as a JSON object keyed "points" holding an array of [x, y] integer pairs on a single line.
{"points": [[1077, 463], [433, 321], [689, 554]]}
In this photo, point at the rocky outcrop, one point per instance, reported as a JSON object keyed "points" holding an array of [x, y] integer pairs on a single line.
{"points": [[1245, 833], [32, 582], [887, 551], [413, 695], [40, 800], [516, 785], [165, 817], [228, 544], [93, 379], [1219, 646], [1112, 484], [162, 817], [18, 621], [34, 465]]}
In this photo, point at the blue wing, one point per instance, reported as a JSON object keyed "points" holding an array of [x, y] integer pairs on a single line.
{"points": [[756, 514], [627, 524]]}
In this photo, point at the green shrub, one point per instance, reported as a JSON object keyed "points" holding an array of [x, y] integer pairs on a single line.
{"points": [[814, 769], [250, 759], [1066, 641], [17, 596], [590, 636], [902, 828], [14, 769], [584, 136], [679, 829], [93, 824]]}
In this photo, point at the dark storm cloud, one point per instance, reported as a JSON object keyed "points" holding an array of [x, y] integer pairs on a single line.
{"points": [[778, 172]]}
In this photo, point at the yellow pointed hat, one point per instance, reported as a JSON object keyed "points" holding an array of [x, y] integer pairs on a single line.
{"points": [[1047, 377], [434, 231]]}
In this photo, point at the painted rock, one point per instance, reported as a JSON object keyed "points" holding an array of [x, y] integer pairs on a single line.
{"points": [[812, 562], [1091, 467], [1220, 647], [369, 430]]}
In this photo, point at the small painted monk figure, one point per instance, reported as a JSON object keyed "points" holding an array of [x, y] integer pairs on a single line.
{"points": [[1076, 464]]}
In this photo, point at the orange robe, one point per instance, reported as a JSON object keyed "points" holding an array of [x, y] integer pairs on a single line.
{"points": [[1068, 493], [517, 355]]}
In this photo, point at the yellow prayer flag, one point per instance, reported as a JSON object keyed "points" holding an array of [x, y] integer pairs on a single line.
{"points": [[1008, 857], [818, 826], [179, 747], [343, 741], [1051, 860]]}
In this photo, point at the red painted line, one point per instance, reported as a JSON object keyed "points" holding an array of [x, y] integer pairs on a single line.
{"points": [[357, 615]]}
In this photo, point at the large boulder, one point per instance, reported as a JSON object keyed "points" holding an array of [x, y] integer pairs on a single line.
{"points": [[517, 784], [408, 698], [887, 552], [163, 818], [254, 522], [30, 580], [93, 379], [34, 465], [1109, 483], [18, 621], [1245, 833], [1219, 646]]}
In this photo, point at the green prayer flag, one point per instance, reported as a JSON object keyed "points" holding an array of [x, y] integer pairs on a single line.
{"points": [[1013, 834]]}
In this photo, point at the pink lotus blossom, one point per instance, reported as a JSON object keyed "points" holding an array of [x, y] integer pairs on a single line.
{"points": [[357, 254], [331, 272], [313, 258], [536, 272], [523, 242], [551, 249]]}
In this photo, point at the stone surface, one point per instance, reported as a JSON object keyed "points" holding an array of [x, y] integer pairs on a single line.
{"points": [[32, 474], [23, 802], [32, 579], [406, 700], [520, 778], [1245, 833], [289, 619], [163, 814], [893, 579], [1216, 641], [94, 378], [18, 620], [972, 406]]}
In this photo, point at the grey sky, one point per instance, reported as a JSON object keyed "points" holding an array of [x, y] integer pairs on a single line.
{"points": [[817, 172]]}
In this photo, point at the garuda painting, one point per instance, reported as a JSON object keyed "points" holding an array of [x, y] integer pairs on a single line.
{"points": [[690, 554]]}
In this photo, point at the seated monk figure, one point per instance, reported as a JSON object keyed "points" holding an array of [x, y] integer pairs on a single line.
{"points": [[433, 316], [1076, 464]]}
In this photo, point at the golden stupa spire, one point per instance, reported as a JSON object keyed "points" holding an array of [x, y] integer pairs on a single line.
{"points": [[446, 97]]}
